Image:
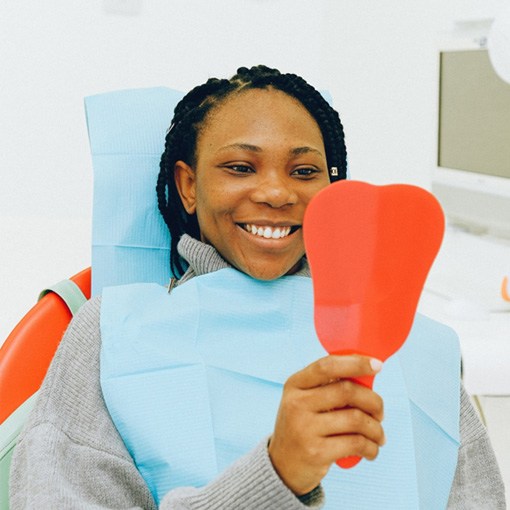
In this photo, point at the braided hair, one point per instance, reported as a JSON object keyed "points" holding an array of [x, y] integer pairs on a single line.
{"points": [[190, 116]]}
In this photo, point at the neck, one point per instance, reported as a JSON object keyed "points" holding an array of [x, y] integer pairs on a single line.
{"points": [[203, 258]]}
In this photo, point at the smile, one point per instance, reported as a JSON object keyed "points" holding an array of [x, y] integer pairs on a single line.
{"points": [[268, 232]]}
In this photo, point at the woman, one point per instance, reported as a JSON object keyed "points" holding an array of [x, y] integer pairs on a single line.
{"points": [[243, 157]]}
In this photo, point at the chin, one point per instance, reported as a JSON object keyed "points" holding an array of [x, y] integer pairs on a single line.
{"points": [[264, 274]]}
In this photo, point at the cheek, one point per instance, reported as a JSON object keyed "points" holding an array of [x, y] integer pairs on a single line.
{"points": [[210, 203], [212, 207], [216, 196], [308, 196]]}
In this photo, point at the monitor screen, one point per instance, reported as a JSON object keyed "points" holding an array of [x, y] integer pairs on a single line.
{"points": [[472, 176], [474, 114]]}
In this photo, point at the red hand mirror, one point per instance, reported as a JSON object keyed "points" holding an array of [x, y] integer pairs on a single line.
{"points": [[370, 249]]}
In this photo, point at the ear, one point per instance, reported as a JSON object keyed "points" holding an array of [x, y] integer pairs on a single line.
{"points": [[185, 182]]}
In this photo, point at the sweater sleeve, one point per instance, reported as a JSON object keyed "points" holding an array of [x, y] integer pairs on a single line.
{"points": [[70, 455], [477, 482]]}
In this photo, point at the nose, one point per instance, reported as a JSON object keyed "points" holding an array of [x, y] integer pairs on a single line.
{"points": [[275, 190]]}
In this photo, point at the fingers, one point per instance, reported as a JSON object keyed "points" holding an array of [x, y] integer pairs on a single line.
{"points": [[332, 368], [325, 416], [352, 445], [344, 393], [351, 422]]}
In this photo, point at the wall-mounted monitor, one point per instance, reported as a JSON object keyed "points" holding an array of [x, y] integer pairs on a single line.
{"points": [[472, 177]]}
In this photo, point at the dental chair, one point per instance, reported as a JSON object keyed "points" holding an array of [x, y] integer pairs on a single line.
{"points": [[25, 357]]}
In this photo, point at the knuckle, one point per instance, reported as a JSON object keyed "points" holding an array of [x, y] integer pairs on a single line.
{"points": [[324, 365], [363, 447], [314, 450], [311, 451], [358, 444], [348, 389], [294, 403], [355, 418]]}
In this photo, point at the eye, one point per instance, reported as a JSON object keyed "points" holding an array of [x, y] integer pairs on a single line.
{"points": [[240, 169], [305, 172]]}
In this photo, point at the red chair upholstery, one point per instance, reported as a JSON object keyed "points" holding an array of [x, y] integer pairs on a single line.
{"points": [[29, 349], [24, 360]]}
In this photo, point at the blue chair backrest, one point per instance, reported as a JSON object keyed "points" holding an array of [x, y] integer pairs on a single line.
{"points": [[130, 241]]}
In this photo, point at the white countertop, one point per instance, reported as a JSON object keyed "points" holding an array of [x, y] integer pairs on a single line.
{"points": [[463, 291]]}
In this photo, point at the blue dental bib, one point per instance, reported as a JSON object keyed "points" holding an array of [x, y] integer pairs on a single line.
{"points": [[193, 381]]}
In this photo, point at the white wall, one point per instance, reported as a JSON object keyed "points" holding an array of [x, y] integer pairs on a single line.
{"points": [[382, 64]]}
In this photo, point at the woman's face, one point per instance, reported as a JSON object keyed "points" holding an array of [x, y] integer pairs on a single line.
{"points": [[260, 158]]}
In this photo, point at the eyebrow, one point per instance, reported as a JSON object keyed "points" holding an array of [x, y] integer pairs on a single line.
{"points": [[304, 150], [296, 151], [242, 146]]}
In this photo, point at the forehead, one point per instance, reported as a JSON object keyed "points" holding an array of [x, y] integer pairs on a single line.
{"points": [[258, 115]]}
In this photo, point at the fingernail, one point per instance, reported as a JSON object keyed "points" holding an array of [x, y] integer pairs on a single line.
{"points": [[383, 440], [376, 364]]}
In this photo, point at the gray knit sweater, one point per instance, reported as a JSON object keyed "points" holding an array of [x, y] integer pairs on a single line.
{"points": [[71, 456]]}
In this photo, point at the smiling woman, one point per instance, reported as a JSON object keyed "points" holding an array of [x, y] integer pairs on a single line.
{"points": [[216, 394], [260, 160], [268, 138]]}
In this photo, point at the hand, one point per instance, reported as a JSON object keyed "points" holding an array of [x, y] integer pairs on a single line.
{"points": [[323, 417]]}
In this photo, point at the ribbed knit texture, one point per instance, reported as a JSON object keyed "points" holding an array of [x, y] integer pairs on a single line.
{"points": [[477, 484], [203, 259], [71, 456]]}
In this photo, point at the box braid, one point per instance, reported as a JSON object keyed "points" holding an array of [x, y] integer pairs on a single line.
{"points": [[190, 115]]}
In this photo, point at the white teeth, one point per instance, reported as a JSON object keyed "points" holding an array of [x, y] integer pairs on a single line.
{"points": [[267, 232]]}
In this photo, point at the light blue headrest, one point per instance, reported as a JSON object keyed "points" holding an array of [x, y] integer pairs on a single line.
{"points": [[130, 241]]}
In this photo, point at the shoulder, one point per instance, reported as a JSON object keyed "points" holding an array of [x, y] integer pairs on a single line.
{"points": [[87, 316], [70, 398], [82, 338], [76, 361]]}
